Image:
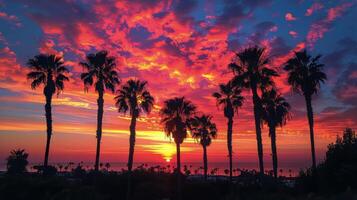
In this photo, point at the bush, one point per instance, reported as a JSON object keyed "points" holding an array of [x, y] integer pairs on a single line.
{"points": [[339, 170], [48, 171], [79, 171]]}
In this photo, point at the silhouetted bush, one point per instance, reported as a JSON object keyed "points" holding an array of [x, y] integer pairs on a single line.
{"points": [[47, 171], [339, 170], [79, 171], [17, 161]]}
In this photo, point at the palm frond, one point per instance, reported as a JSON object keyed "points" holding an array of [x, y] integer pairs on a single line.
{"points": [[100, 68]]}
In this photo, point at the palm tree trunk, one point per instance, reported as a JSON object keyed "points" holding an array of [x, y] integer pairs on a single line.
{"points": [[179, 195], [229, 145], [132, 143], [272, 133], [131, 154], [258, 130], [310, 116], [205, 163], [100, 103], [48, 111]]}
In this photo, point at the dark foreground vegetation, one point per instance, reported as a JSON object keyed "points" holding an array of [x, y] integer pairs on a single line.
{"points": [[153, 185], [335, 178]]}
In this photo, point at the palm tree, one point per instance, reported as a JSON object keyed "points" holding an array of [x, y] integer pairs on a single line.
{"points": [[49, 71], [100, 68], [17, 161], [275, 112], [251, 72], [175, 115], [203, 130], [230, 98], [133, 97], [305, 75]]}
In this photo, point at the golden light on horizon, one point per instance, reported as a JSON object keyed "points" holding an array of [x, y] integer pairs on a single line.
{"points": [[166, 150]]}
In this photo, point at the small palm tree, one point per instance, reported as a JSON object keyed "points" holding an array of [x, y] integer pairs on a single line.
{"points": [[203, 130], [175, 115], [100, 68], [17, 161], [251, 72], [305, 75], [275, 112], [47, 70], [133, 97], [230, 98]]}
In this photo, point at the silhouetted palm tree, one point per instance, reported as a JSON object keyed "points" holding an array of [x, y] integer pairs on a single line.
{"points": [[251, 71], [230, 98], [305, 76], [275, 113], [100, 68], [49, 71], [203, 130], [17, 161], [133, 97], [175, 115]]}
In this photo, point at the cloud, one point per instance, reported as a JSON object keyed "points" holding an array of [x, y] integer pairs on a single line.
{"points": [[290, 17], [12, 75], [319, 28], [293, 34], [47, 47], [346, 87], [141, 37], [10, 18], [314, 7], [75, 27], [183, 9], [235, 11], [261, 31]]}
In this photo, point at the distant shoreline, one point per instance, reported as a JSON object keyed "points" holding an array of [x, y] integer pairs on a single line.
{"points": [[288, 169]]}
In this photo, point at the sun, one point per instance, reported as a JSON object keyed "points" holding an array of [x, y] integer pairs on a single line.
{"points": [[167, 160]]}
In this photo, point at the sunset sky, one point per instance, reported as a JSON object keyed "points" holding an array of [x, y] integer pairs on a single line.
{"points": [[181, 48]]}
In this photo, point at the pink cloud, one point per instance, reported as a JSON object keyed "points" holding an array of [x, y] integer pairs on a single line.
{"points": [[290, 17], [314, 7], [47, 47], [319, 28], [10, 18], [293, 34], [335, 12], [11, 73]]}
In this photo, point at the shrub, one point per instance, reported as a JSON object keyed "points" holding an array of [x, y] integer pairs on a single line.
{"points": [[48, 171], [339, 170]]}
